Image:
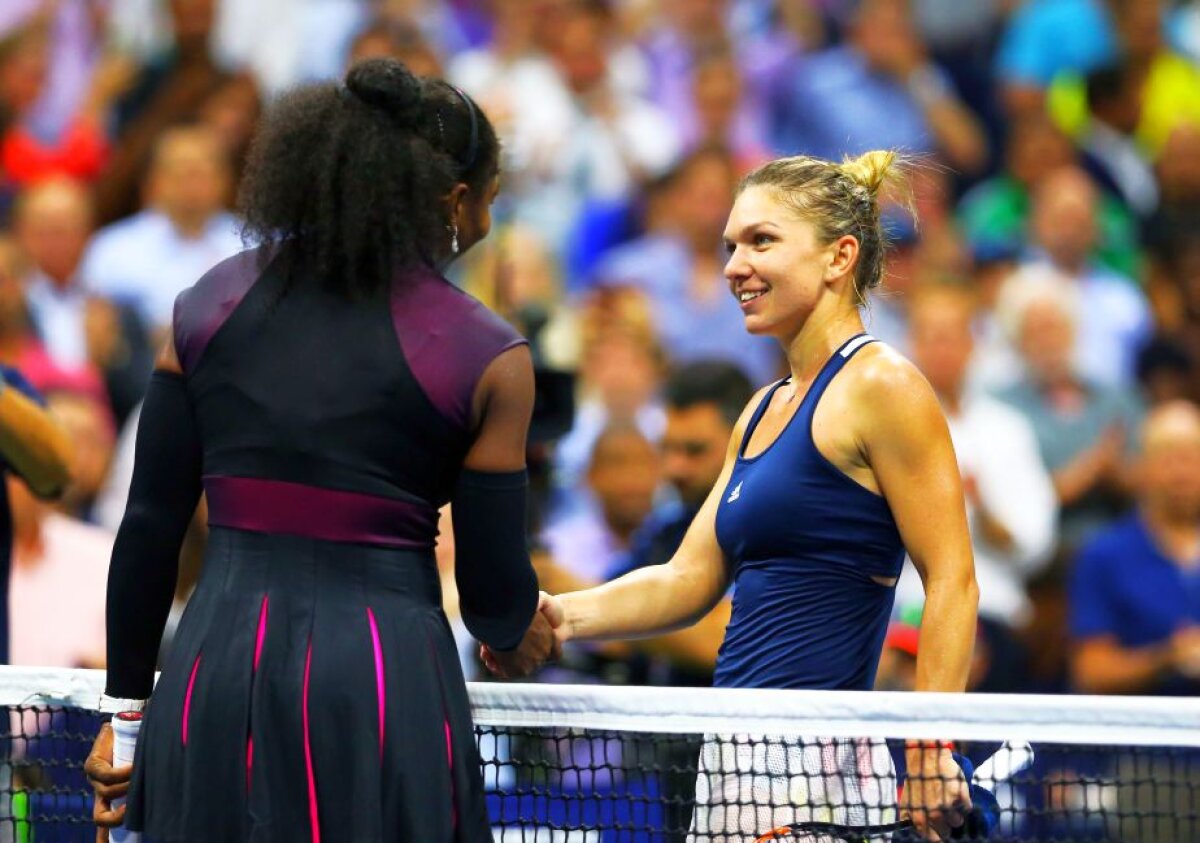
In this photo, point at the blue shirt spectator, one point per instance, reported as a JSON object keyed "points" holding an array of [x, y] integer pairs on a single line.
{"points": [[1135, 588], [1124, 587], [1047, 37], [836, 105], [879, 90]]}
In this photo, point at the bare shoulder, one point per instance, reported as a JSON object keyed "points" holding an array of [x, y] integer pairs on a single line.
{"points": [[890, 393]]}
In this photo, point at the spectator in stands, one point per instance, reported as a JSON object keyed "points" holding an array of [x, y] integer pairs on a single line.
{"points": [[232, 111], [80, 149], [622, 478], [715, 83], [79, 330], [170, 89], [1010, 498], [703, 401], [721, 120], [518, 86], [1114, 317], [994, 214], [32, 444], [620, 374], [1084, 430], [1135, 605], [1174, 353], [76, 29], [1170, 234], [1178, 174], [682, 34], [85, 417], [1167, 83], [147, 260], [878, 90], [678, 269], [1110, 153], [602, 143], [386, 39], [1045, 38], [586, 547], [20, 348]]}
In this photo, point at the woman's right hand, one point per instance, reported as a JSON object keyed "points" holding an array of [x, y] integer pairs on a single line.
{"points": [[108, 782], [552, 607]]}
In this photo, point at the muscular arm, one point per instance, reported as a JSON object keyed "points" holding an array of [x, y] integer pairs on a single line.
{"points": [[33, 443], [497, 587], [662, 598], [908, 447], [145, 561]]}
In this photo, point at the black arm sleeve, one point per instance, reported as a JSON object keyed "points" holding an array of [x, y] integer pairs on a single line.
{"points": [[145, 561], [497, 587]]}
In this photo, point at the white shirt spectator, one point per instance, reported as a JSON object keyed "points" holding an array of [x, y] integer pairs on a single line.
{"points": [[559, 153], [59, 314], [57, 600], [1014, 486], [1114, 322], [145, 262]]}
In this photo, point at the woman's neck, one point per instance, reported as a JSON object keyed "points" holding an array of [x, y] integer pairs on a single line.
{"points": [[823, 333]]}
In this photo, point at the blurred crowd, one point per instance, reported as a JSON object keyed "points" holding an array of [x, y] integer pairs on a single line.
{"points": [[1045, 276]]}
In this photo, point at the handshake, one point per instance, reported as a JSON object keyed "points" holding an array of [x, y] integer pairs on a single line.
{"points": [[542, 643]]}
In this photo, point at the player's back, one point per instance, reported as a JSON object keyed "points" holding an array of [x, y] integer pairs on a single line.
{"points": [[331, 431], [338, 418]]}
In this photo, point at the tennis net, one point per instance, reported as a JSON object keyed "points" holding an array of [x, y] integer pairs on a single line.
{"points": [[592, 764]]}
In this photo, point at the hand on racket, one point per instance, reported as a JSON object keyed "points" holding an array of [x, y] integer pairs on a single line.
{"points": [[936, 796], [539, 645], [108, 782]]}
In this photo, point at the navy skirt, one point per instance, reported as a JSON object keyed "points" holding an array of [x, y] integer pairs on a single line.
{"points": [[313, 692]]}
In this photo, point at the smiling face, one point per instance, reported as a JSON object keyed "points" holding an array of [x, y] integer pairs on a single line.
{"points": [[778, 268]]}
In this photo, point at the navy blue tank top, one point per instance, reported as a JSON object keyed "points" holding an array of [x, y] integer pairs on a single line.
{"points": [[804, 541]]}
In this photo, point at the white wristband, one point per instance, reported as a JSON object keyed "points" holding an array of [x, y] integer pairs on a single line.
{"points": [[115, 705]]}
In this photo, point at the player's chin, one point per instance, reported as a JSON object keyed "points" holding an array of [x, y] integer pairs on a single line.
{"points": [[758, 325]]}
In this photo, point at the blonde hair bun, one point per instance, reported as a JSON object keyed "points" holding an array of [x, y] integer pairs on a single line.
{"points": [[871, 169]]}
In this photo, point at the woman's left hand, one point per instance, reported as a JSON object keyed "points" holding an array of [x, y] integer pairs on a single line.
{"points": [[108, 782]]}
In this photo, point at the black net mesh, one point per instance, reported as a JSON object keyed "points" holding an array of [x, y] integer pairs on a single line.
{"points": [[579, 786]]}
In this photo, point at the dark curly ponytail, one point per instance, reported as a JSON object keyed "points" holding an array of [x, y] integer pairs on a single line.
{"points": [[351, 178]]}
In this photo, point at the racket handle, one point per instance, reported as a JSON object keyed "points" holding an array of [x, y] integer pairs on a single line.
{"points": [[125, 726]]}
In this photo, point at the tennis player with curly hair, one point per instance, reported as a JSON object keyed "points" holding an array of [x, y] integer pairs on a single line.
{"points": [[329, 391]]}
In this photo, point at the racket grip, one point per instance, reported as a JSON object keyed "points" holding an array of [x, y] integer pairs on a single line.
{"points": [[125, 726]]}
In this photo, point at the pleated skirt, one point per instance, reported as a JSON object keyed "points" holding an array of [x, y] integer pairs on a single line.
{"points": [[313, 692]]}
